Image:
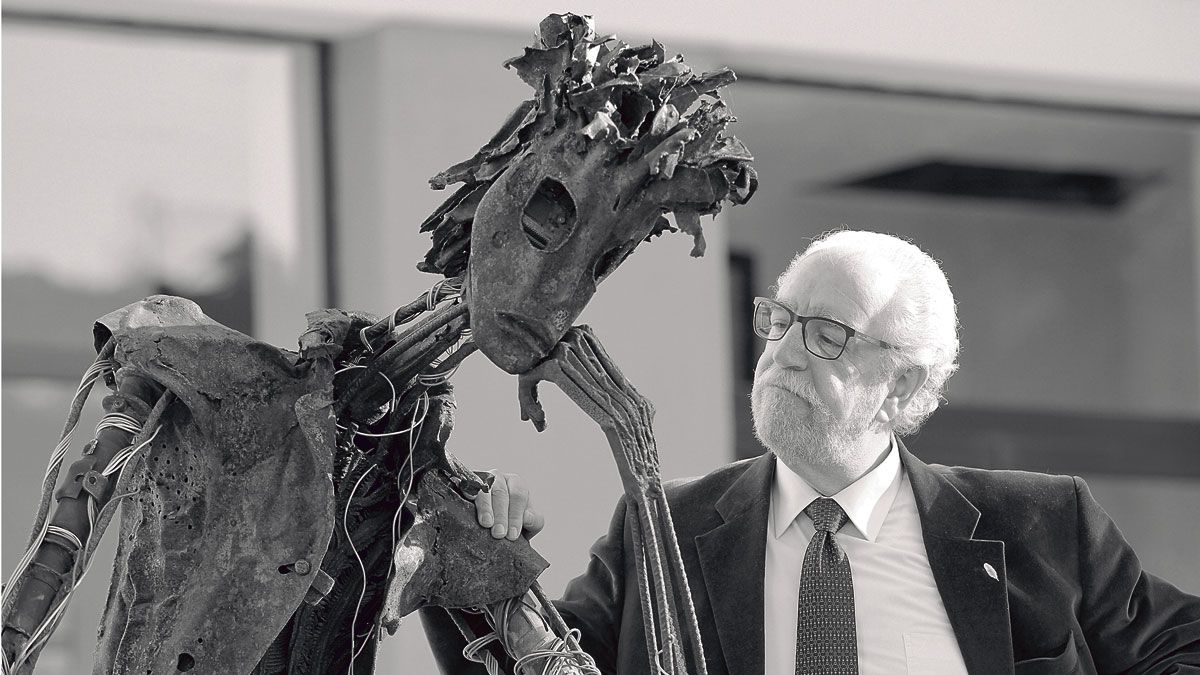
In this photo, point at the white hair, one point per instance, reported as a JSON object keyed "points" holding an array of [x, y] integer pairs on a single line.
{"points": [[925, 328]]}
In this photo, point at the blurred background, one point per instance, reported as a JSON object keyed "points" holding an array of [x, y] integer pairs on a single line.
{"points": [[268, 157]]}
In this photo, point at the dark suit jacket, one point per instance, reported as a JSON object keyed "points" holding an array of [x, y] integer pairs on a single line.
{"points": [[1071, 596]]}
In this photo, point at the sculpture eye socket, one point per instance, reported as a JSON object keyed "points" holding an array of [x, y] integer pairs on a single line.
{"points": [[549, 216], [609, 261]]}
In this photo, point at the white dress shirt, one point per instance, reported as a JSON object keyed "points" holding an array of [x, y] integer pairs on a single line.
{"points": [[901, 623]]}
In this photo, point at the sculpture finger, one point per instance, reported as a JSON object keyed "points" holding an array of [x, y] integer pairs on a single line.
{"points": [[527, 398], [597, 383], [638, 413], [572, 382], [589, 397], [621, 418], [583, 350], [596, 349], [605, 371], [549, 370], [637, 456], [580, 377], [584, 340], [570, 348]]}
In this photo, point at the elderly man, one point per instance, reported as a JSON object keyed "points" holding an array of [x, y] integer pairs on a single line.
{"points": [[840, 552]]}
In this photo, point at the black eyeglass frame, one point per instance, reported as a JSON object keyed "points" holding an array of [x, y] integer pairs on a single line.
{"points": [[803, 321]]}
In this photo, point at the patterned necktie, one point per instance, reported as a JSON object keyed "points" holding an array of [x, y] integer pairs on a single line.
{"points": [[826, 642]]}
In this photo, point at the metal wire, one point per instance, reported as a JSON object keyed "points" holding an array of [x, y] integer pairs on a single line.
{"points": [[83, 562], [363, 592], [93, 373], [444, 289], [563, 655], [421, 409], [127, 453]]}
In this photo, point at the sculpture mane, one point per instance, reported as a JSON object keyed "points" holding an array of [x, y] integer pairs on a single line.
{"points": [[631, 97]]}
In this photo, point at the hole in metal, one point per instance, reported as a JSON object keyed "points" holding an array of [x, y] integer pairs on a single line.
{"points": [[549, 217]]}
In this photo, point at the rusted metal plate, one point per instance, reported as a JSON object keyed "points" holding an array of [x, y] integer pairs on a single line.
{"points": [[226, 501], [446, 559]]}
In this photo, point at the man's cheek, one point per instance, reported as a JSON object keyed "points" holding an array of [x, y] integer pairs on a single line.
{"points": [[764, 362]]}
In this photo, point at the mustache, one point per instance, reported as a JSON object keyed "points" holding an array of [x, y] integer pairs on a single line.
{"points": [[784, 380]]}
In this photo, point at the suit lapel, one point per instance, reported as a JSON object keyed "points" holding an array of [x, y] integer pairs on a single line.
{"points": [[732, 558], [970, 573]]}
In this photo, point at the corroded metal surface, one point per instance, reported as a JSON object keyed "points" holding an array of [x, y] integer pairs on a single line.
{"points": [[439, 561], [235, 486], [616, 137]]}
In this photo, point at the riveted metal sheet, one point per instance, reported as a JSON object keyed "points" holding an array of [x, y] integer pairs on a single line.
{"points": [[235, 486]]}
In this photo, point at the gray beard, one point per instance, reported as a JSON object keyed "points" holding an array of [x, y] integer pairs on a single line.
{"points": [[812, 436]]}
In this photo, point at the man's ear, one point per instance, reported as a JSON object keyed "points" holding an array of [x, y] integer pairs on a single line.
{"points": [[905, 385]]}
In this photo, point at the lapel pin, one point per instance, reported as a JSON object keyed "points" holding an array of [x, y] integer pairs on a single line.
{"points": [[991, 571]]}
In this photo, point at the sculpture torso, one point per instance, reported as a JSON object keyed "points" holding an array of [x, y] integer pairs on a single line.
{"points": [[242, 507]]}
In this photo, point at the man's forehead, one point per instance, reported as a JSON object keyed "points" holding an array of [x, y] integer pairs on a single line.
{"points": [[831, 286]]}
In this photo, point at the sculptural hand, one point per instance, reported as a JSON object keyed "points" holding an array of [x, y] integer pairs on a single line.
{"points": [[585, 372], [580, 367], [506, 508]]}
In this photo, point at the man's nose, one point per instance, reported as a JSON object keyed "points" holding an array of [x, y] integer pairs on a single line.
{"points": [[790, 351]]}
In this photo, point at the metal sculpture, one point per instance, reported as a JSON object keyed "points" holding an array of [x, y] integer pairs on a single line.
{"points": [[282, 508]]}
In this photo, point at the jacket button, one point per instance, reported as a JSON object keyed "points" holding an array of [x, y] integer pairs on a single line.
{"points": [[302, 567]]}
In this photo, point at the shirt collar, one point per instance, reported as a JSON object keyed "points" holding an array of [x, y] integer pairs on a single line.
{"points": [[791, 494]]}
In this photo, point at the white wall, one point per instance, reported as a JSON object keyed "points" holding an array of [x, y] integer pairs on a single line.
{"points": [[410, 102], [1141, 53]]}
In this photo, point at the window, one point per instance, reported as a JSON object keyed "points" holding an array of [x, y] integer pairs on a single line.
{"points": [[139, 162]]}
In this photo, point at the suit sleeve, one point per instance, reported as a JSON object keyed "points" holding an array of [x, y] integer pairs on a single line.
{"points": [[594, 601], [447, 642], [1133, 621]]}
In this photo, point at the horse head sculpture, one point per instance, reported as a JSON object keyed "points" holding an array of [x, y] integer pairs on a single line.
{"points": [[615, 138]]}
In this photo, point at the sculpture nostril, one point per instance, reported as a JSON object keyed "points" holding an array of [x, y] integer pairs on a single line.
{"points": [[608, 261]]}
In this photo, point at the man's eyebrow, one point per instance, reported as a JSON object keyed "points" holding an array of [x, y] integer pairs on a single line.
{"points": [[786, 303], [820, 310]]}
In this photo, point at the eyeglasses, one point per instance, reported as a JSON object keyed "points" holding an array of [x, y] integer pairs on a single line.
{"points": [[823, 338]]}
